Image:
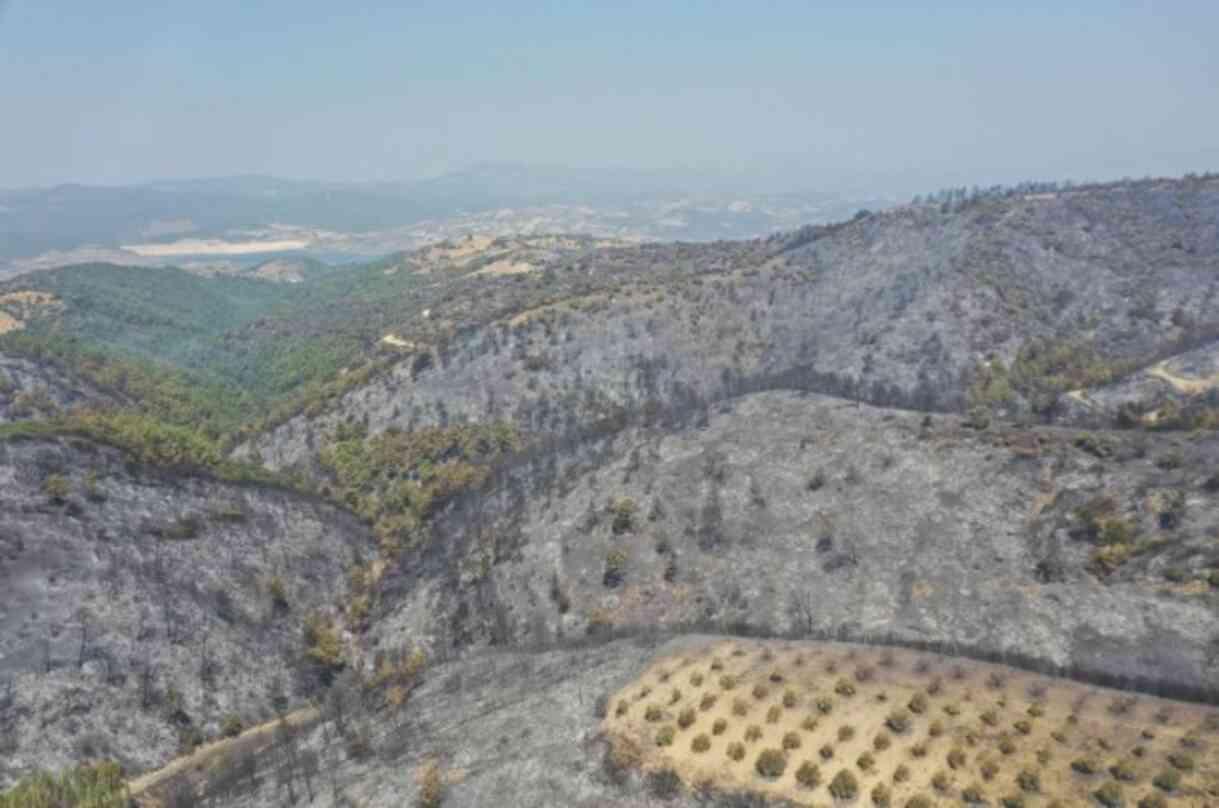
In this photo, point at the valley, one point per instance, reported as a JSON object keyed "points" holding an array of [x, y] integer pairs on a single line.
{"points": [[450, 509]]}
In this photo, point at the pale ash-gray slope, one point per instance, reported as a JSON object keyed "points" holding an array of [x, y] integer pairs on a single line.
{"points": [[894, 309], [802, 514], [139, 609]]}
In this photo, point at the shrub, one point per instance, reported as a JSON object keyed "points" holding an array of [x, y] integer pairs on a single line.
{"points": [[760, 692], [826, 752], [279, 594], [622, 709], [936, 729], [990, 718], [940, 782], [1023, 727], [956, 758], [664, 784], [701, 743], [1167, 780], [898, 721], [696, 679], [824, 705], [1086, 765], [1109, 795], [774, 714], [1123, 770], [727, 682], [231, 726], [790, 699], [57, 488], [1028, 781], [881, 796], [431, 786], [323, 647], [919, 801], [623, 510], [973, 795], [675, 696], [707, 702], [881, 742], [1007, 746], [846, 732], [1182, 761], [988, 770], [753, 733], [919, 750], [791, 741], [615, 569], [808, 775], [719, 726], [917, 704], [865, 762], [1012, 801], [653, 713], [844, 786], [771, 763], [1153, 801], [901, 774], [736, 750], [664, 736], [740, 707], [686, 718], [809, 724], [844, 688]]}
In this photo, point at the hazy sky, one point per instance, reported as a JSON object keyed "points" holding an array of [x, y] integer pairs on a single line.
{"points": [[806, 94]]}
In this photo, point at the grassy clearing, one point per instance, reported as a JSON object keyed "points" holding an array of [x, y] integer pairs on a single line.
{"points": [[822, 721]]}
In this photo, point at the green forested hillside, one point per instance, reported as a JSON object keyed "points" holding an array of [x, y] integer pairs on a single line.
{"points": [[173, 341]]}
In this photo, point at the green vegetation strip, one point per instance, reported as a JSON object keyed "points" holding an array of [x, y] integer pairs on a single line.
{"points": [[98, 786]]}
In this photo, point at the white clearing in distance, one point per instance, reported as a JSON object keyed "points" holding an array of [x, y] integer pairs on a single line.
{"points": [[193, 246]]}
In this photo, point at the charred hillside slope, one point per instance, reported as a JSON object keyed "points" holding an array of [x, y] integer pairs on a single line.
{"points": [[1091, 553], [904, 308], [143, 608]]}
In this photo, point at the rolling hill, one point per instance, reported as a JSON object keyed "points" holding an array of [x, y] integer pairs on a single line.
{"points": [[440, 507]]}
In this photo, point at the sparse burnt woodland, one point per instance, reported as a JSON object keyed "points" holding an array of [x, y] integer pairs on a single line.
{"points": [[396, 534]]}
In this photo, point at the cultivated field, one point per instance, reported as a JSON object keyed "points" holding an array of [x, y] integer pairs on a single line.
{"points": [[817, 723]]}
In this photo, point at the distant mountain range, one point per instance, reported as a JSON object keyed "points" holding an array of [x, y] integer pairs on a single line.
{"points": [[247, 218]]}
